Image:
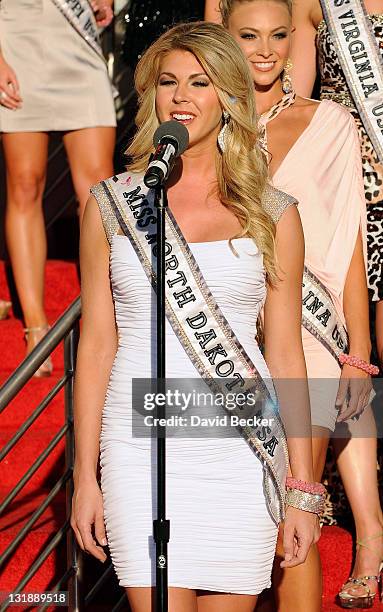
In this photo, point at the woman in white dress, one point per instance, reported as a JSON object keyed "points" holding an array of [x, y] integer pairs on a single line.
{"points": [[223, 517]]}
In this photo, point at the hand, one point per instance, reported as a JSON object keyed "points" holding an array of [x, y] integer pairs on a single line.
{"points": [[9, 87], [300, 530], [88, 513], [354, 392], [103, 12]]}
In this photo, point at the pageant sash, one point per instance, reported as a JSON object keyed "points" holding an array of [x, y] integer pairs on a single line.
{"points": [[199, 324], [361, 61], [320, 317], [80, 15]]}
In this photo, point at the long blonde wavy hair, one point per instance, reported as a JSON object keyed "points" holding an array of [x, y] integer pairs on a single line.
{"points": [[241, 169], [226, 7]]}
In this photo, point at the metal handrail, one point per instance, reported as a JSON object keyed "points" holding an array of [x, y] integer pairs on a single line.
{"points": [[66, 328], [33, 468], [35, 516], [31, 419], [40, 353]]}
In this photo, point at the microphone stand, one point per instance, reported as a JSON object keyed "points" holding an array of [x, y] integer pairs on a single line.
{"points": [[161, 526]]}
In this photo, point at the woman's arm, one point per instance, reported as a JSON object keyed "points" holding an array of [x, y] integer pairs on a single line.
{"points": [[355, 306], [96, 352], [303, 49], [212, 12], [285, 359], [283, 343]]}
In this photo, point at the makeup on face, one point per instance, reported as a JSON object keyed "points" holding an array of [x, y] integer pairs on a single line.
{"points": [[263, 30], [185, 94]]}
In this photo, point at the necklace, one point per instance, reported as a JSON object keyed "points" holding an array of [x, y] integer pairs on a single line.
{"points": [[272, 113]]}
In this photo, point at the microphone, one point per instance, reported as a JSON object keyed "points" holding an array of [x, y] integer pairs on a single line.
{"points": [[171, 140]]}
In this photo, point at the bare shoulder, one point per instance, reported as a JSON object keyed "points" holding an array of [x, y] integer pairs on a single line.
{"points": [[331, 112], [304, 109], [308, 103], [93, 225], [92, 216]]}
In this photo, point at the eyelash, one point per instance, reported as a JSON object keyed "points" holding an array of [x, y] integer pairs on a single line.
{"points": [[196, 83], [279, 36], [168, 82]]}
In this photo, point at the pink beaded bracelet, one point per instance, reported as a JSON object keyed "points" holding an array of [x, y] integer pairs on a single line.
{"points": [[356, 362], [315, 488]]}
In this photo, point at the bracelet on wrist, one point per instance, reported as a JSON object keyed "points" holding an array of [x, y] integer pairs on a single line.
{"points": [[316, 488], [307, 496], [308, 502], [361, 364]]}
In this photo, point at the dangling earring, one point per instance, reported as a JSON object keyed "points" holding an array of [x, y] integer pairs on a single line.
{"points": [[221, 135], [287, 85]]}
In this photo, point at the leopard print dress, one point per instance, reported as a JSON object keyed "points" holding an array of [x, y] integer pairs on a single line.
{"points": [[334, 87]]}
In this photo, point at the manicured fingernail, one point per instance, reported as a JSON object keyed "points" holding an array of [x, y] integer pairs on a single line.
{"points": [[104, 542]]}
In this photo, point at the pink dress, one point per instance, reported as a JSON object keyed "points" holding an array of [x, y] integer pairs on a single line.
{"points": [[323, 171]]}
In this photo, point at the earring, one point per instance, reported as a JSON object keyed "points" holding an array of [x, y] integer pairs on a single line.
{"points": [[287, 85], [221, 135]]}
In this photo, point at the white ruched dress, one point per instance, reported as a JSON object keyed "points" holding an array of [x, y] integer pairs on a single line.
{"points": [[222, 537]]}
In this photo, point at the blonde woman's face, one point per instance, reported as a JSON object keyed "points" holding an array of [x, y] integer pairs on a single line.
{"points": [[185, 94], [263, 30]]}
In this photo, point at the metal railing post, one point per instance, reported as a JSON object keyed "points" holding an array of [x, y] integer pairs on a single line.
{"points": [[74, 558]]}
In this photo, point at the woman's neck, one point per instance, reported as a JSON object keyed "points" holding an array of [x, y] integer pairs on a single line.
{"points": [[197, 163], [266, 98]]}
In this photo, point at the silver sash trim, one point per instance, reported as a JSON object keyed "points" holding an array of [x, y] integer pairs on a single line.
{"points": [[80, 15], [319, 316], [361, 61], [200, 326]]}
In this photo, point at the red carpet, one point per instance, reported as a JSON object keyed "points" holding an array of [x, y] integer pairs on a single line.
{"points": [[61, 288]]}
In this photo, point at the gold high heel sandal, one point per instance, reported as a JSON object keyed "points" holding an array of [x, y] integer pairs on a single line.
{"points": [[5, 307], [356, 592], [46, 367]]}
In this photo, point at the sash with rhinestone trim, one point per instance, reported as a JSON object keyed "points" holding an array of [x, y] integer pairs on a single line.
{"points": [[80, 15], [319, 316], [202, 329], [361, 61]]}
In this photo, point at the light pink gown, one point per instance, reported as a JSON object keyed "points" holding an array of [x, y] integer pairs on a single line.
{"points": [[323, 171]]}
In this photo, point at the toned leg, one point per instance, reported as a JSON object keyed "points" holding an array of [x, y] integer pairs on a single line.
{"points": [[299, 589], [225, 602], [90, 153], [26, 160], [357, 464], [142, 599]]}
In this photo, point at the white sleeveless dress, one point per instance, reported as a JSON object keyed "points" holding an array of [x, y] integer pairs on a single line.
{"points": [[222, 537]]}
